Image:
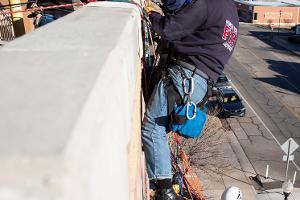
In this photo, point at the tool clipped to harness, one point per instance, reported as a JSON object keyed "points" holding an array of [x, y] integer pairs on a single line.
{"points": [[186, 118], [190, 127], [188, 92]]}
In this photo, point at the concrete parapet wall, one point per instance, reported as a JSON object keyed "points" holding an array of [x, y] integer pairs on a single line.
{"points": [[70, 108]]}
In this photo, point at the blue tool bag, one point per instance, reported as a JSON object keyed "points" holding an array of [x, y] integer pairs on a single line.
{"points": [[188, 120], [185, 118]]}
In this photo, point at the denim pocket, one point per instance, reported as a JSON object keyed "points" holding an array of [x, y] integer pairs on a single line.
{"points": [[200, 84]]}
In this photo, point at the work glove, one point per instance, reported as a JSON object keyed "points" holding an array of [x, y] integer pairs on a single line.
{"points": [[150, 6]]}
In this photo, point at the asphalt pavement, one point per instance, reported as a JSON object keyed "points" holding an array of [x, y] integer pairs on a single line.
{"points": [[265, 72]]}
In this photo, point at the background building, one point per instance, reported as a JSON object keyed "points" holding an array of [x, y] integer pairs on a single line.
{"points": [[280, 14]]}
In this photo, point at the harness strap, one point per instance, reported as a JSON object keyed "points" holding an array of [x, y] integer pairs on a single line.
{"points": [[207, 95], [173, 97], [172, 94]]}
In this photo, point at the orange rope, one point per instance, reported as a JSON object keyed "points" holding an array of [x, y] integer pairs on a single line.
{"points": [[193, 181], [152, 45]]}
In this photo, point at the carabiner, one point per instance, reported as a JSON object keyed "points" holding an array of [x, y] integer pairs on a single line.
{"points": [[187, 110], [191, 86]]}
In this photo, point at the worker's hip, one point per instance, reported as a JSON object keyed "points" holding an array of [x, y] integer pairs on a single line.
{"points": [[45, 19], [178, 74], [172, 69]]}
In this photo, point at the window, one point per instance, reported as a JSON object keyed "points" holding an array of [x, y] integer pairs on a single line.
{"points": [[230, 98], [233, 98], [222, 79], [255, 16]]}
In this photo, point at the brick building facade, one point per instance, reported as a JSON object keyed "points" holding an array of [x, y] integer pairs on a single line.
{"points": [[267, 13]]}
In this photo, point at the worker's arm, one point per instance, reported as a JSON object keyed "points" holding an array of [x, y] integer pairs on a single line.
{"points": [[173, 27]]}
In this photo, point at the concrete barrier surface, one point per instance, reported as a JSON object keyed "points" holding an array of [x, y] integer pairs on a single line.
{"points": [[70, 108]]}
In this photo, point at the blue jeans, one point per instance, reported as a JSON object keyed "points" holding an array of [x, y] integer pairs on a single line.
{"points": [[45, 19], [155, 123]]}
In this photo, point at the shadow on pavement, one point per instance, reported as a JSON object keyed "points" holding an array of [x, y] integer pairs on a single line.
{"points": [[277, 41], [287, 76]]}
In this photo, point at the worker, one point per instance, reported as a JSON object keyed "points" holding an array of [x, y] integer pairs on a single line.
{"points": [[200, 37], [49, 15]]}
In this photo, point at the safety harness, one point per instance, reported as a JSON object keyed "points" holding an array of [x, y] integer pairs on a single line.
{"points": [[174, 97]]}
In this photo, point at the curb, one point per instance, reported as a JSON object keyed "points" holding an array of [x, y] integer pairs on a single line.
{"points": [[243, 160], [240, 154]]}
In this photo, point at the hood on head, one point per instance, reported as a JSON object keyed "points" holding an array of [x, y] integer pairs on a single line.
{"points": [[174, 5]]}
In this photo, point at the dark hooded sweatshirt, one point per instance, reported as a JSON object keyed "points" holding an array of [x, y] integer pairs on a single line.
{"points": [[203, 32]]}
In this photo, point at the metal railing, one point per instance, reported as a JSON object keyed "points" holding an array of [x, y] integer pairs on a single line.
{"points": [[6, 27]]}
